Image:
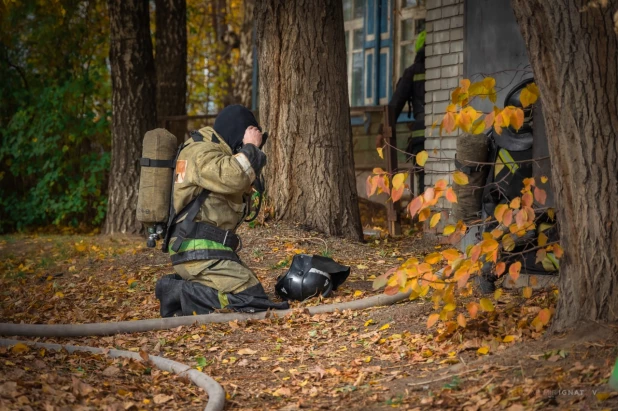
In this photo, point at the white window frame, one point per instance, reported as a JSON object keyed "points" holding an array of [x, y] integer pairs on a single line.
{"points": [[416, 13], [387, 51], [349, 27]]}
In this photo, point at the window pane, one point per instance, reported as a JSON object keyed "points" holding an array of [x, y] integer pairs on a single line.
{"points": [[407, 57], [357, 79], [420, 26], [410, 3], [407, 29], [358, 39], [359, 9], [347, 10]]}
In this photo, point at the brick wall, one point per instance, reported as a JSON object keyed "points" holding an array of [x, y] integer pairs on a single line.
{"points": [[444, 70]]}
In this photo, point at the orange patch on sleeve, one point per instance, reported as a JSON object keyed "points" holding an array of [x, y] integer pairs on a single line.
{"points": [[181, 170]]}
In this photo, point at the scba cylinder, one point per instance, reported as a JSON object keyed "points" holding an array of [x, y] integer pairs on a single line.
{"points": [[155, 184]]}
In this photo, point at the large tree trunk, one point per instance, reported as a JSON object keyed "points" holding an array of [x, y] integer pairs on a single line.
{"points": [[133, 105], [171, 62], [574, 56], [304, 105], [243, 71]]}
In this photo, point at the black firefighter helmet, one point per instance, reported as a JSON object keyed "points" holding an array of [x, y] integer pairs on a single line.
{"points": [[309, 276]]}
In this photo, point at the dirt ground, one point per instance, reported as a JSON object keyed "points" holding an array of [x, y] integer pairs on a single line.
{"points": [[372, 359]]}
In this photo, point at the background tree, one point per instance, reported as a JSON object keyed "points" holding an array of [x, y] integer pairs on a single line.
{"points": [[574, 56], [243, 69], [134, 107], [171, 61], [304, 105], [54, 113]]}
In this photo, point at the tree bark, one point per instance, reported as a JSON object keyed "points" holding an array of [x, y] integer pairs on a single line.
{"points": [[243, 71], [133, 107], [171, 62], [304, 105], [574, 56]]}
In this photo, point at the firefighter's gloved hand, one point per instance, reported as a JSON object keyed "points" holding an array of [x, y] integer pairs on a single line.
{"points": [[252, 136]]}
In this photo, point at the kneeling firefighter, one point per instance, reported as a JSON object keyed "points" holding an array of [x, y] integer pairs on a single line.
{"points": [[214, 172]]}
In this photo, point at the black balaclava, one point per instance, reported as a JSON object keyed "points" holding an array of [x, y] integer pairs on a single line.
{"points": [[231, 124]]}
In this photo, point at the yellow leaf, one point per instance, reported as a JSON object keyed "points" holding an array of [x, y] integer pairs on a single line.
{"points": [[432, 319], [380, 152], [59, 294], [20, 348], [460, 178], [434, 220], [542, 240], [499, 212], [80, 247], [509, 338], [483, 350], [421, 158], [450, 307], [357, 293], [508, 243], [451, 254], [399, 179], [498, 294], [486, 304], [384, 327], [529, 95], [131, 281], [461, 320], [369, 322], [489, 83], [433, 258], [424, 214], [367, 358], [448, 230], [602, 396], [527, 292], [515, 203], [544, 179], [478, 127]]}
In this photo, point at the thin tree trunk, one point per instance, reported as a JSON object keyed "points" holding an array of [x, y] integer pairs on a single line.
{"points": [[304, 105], [133, 105], [574, 56], [243, 71], [171, 62]]}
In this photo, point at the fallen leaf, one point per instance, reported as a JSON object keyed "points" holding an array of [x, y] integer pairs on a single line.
{"points": [[80, 387], [432, 319], [162, 399], [486, 304], [384, 327], [111, 371], [246, 351], [282, 392], [483, 350], [20, 348]]}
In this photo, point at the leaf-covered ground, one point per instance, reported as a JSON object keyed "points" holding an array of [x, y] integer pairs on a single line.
{"points": [[377, 358]]}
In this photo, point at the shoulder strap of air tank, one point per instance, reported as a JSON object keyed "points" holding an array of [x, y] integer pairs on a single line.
{"points": [[171, 214], [186, 226], [196, 136]]}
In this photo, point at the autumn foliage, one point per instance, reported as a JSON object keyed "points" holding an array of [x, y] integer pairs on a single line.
{"points": [[446, 274]]}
